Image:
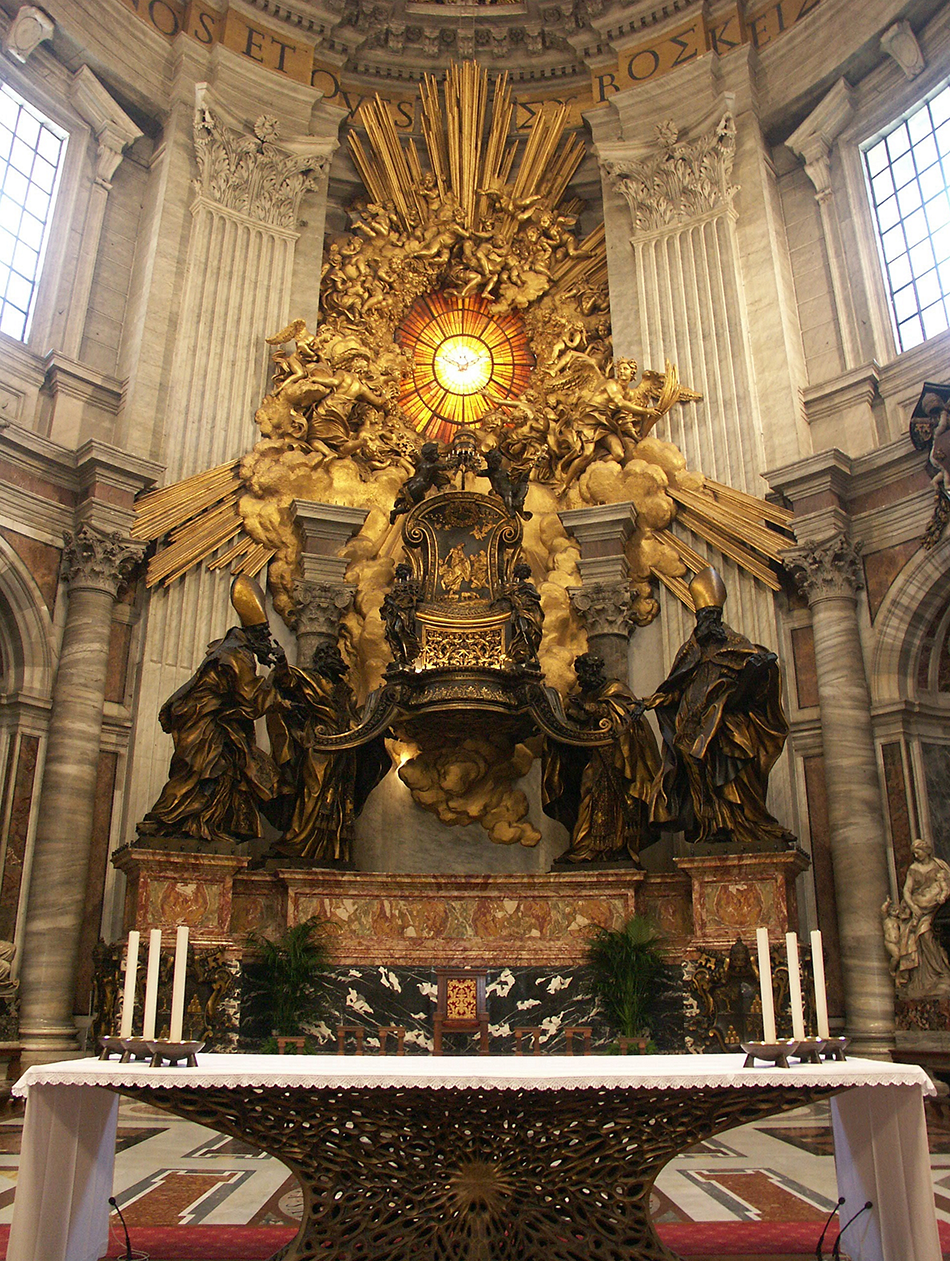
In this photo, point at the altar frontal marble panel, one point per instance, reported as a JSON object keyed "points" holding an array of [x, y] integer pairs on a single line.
{"points": [[498, 920]]}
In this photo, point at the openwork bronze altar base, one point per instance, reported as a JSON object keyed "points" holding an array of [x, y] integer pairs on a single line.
{"points": [[473, 1175]]}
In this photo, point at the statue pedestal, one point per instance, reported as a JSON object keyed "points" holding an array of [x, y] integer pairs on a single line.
{"points": [[168, 887], [734, 894]]}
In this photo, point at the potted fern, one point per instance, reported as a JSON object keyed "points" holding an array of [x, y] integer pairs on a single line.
{"points": [[627, 969], [288, 983]]}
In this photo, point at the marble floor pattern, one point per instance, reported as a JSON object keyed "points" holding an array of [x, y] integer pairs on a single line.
{"points": [[173, 1172]]}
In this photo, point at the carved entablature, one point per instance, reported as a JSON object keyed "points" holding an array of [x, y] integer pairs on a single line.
{"points": [[683, 181], [254, 173]]}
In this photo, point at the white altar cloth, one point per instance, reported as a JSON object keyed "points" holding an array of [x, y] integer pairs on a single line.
{"points": [[881, 1153]]}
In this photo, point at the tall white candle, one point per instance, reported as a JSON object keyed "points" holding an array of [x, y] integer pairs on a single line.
{"points": [[765, 985], [821, 995], [128, 993], [178, 984], [151, 983], [795, 987]]}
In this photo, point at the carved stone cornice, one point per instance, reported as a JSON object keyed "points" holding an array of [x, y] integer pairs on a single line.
{"points": [[93, 561], [815, 137], [253, 173], [320, 606], [605, 608], [826, 571], [685, 180], [113, 128]]}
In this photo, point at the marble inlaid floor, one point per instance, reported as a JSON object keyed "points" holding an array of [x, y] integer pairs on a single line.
{"points": [[173, 1172]]}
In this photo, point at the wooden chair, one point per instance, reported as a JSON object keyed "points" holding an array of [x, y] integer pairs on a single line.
{"points": [[342, 1031], [461, 1006], [585, 1031], [535, 1040], [283, 1042], [398, 1032], [640, 1044]]}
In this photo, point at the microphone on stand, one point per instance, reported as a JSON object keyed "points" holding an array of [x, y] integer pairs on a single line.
{"points": [[836, 1250], [128, 1241], [819, 1253]]}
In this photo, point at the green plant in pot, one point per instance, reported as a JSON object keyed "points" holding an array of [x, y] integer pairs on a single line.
{"points": [[627, 970], [288, 985]]}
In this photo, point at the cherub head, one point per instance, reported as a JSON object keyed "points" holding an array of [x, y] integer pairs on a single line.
{"points": [[625, 369]]}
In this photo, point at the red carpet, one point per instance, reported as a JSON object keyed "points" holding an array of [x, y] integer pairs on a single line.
{"points": [[690, 1239]]}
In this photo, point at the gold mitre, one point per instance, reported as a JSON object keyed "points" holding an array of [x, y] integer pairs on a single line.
{"points": [[708, 591], [248, 601]]}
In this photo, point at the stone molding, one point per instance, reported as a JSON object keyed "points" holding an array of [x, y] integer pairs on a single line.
{"points": [[826, 571], [605, 608], [113, 128], [814, 139], [900, 42], [93, 561], [254, 174], [685, 180], [320, 606], [29, 28]]}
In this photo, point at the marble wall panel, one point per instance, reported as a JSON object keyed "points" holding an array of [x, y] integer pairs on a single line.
{"points": [[41, 560], [22, 780], [881, 568], [895, 788], [816, 795], [551, 1000], [166, 888], [936, 759], [96, 879], [806, 671]]}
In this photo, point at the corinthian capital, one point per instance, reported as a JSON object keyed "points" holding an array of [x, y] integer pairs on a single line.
{"points": [[605, 608], [826, 571], [683, 180], [98, 562], [320, 606], [256, 173]]}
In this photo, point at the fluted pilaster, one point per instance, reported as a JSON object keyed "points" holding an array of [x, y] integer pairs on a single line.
{"points": [[829, 575]]}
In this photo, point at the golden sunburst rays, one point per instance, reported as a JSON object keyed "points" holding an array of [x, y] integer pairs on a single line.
{"points": [[465, 129], [465, 361], [199, 515], [750, 531]]}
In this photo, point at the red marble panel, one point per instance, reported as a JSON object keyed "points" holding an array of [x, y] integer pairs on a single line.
{"points": [[806, 671], [22, 782], [96, 879], [895, 788], [173, 901], [881, 568], [117, 667], [816, 796], [41, 560], [738, 904]]}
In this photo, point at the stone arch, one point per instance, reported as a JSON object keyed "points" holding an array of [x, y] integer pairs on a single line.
{"points": [[26, 630], [915, 599]]}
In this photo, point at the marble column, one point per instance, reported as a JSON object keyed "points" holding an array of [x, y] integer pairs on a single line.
{"points": [[829, 575], [321, 596], [94, 565], [606, 610]]}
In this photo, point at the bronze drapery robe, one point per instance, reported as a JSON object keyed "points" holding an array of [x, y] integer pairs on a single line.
{"points": [[328, 790], [601, 795], [723, 727], [218, 777]]}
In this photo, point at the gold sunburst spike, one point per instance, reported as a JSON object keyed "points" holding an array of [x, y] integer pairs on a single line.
{"points": [[758, 507], [434, 133], [675, 585], [368, 170]]}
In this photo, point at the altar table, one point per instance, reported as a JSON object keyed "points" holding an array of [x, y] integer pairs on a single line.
{"points": [[508, 1158]]}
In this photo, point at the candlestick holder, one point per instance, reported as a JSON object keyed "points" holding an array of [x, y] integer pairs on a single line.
{"points": [[776, 1053], [134, 1049], [172, 1053], [809, 1050], [834, 1048], [111, 1046]]}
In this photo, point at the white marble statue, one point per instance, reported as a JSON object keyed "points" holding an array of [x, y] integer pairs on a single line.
{"points": [[919, 963]]}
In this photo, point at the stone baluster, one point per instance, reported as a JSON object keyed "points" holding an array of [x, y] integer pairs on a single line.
{"points": [[94, 566], [829, 575]]}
